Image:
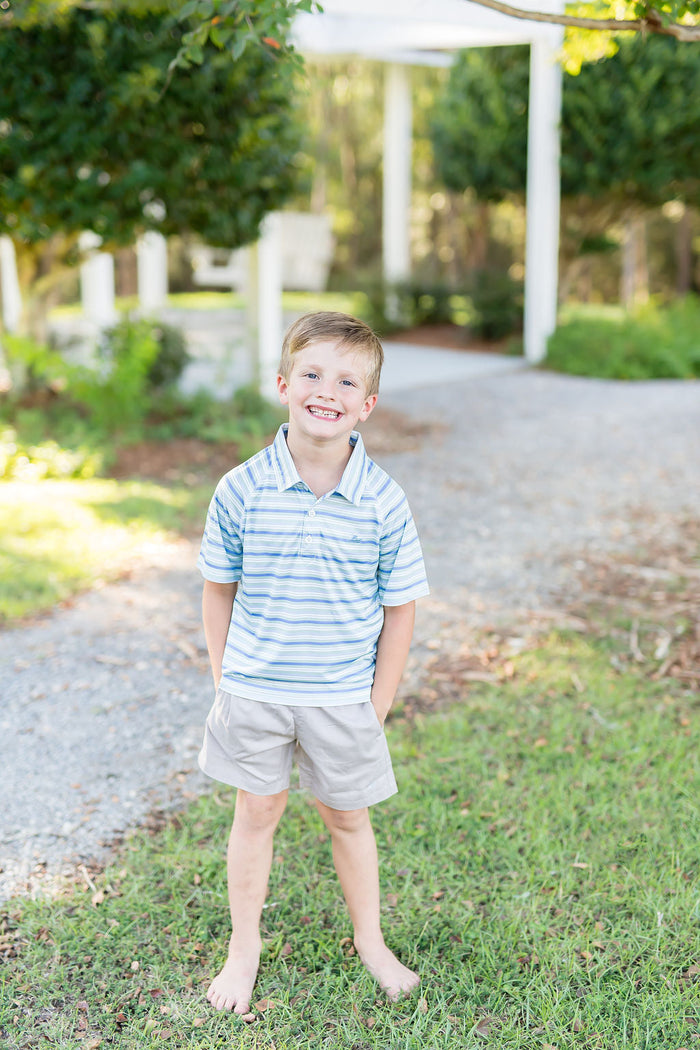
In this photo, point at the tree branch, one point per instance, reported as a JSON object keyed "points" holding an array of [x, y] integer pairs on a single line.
{"points": [[652, 24]]}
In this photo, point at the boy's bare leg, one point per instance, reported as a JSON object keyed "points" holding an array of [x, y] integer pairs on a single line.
{"points": [[249, 860], [355, 857]]}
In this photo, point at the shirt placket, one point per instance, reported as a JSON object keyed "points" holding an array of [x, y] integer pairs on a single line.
{"points": [[311, 531]]}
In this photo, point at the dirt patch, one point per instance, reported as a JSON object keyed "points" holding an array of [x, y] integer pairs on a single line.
{"points": [[647, 607], [659, 597], [192, 461], [447, 337], [187, 460], [387, 432]]}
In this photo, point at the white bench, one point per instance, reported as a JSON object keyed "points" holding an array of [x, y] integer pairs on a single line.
{"points": [[307, 246]]}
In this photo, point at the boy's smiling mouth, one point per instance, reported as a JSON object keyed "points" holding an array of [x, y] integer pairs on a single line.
{"points": [[323, 413]]}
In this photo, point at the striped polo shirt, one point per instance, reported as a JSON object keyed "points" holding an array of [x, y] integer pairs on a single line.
{"points": [[313, 575]]}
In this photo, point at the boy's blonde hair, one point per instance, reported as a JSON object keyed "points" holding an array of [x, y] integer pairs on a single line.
{"points": [[351, 333]]}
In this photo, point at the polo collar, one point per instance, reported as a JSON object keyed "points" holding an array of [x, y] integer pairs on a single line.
{"points": [[352, 484]]}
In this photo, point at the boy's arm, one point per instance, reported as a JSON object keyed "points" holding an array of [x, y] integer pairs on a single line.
{"points": [[217, 605], [392, 651]]}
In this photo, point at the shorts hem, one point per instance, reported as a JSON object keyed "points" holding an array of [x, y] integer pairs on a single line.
{"points": [[224, 774], [378, 792]]}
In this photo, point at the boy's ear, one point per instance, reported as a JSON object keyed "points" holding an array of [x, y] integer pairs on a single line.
{"points": [[369, 404], [283, 390]]}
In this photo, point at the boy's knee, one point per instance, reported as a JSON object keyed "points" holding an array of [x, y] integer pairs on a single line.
{"points": [[259, 812], [344, 821]]}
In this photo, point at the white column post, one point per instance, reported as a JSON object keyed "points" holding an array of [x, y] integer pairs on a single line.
{"points": [[9, 286], [269, 304], [152, 271], [97, 282], [397, 175], [543, 195]]}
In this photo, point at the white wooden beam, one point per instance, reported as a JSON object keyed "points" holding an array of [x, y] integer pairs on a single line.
{"points": [[9, 286], [543, 195], [152, 271], [398, 140], [270, 321], [97, 282]]}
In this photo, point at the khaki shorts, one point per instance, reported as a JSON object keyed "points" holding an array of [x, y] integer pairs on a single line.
{"points": [[341, 751]]}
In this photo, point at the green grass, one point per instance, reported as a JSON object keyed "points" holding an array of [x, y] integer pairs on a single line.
{"points": [[347, 302], [60, 537], [651, 343], [539, 867]]}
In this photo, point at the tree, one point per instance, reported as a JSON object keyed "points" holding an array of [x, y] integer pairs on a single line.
{"points": [[629, 128], [229, 25], [92, 133], [674, 18], [479, 127], [88, 136]]}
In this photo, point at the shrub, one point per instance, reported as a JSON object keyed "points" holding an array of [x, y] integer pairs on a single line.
{"points": [[135, 360], [47, 459], [497, 302], [414, 303], [156, 352], [652, 343]]}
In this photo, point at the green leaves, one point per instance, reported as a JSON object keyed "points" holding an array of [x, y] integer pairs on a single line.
{"points": [[233, 26], [629, 124], [479, 127], [88, 100]]}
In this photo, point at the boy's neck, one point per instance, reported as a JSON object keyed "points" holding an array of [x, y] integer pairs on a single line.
{"points": [[320, 466]]}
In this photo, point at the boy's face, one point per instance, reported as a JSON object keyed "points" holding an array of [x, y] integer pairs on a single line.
{"points": [[326, 392]]}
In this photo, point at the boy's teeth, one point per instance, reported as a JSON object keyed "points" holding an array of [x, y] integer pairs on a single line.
{"points": [[326, 412]]}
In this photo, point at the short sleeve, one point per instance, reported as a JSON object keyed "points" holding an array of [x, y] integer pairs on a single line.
{"points": [[221, 553], [401, 573]]}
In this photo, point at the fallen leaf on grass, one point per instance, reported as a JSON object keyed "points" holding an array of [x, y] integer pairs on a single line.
{"points": [[483, 1028], [249, 1018], [264, 1004]]}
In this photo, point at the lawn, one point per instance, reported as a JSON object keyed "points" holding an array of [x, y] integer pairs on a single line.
{"points": [[539, 867], [63, 536]]}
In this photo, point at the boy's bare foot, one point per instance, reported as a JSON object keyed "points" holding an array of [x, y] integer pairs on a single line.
{"points": [[232, 988], [391, 974]]}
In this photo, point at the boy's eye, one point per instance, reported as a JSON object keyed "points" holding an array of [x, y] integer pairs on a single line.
{"points": [[348, 382], [310, 375]]}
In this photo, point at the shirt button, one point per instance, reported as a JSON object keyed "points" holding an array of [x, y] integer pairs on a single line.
{"points": [[312, 513], [309, 539]]}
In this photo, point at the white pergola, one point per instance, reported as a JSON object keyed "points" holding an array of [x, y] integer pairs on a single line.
{"points": [[402, 33]]}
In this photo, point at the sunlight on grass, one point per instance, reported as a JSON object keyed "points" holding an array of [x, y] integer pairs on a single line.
{"points": [[60, 537], [301, 302]]}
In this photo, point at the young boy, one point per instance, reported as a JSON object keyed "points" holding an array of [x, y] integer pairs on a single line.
{"points": [[312, 566]]}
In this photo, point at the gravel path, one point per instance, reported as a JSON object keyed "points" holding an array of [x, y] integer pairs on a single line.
{"points": [[518, 479]]}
